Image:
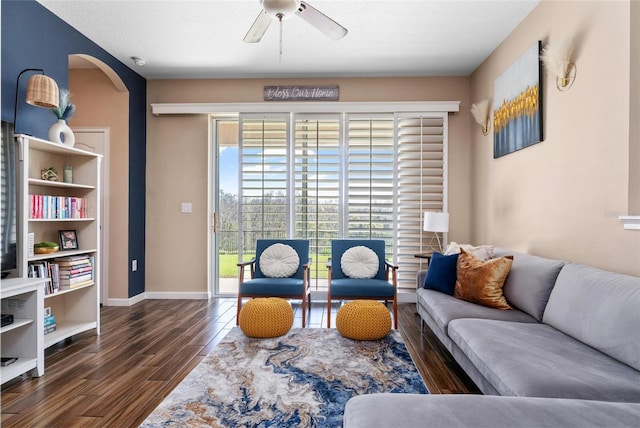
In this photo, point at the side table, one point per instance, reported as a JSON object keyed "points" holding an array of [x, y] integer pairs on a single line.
{"points": [[423, 256]]}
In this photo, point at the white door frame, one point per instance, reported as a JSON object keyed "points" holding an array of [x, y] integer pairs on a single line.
{"points": [[104, 206]]}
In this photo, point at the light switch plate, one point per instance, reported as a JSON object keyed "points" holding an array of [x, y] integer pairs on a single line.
{"points": [[186, 207]]}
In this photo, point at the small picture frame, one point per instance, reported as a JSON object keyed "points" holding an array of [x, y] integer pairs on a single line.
{"points": [[68, 240]]}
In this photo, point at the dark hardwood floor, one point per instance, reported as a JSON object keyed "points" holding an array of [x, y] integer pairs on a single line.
{"points": [[117, 379]]}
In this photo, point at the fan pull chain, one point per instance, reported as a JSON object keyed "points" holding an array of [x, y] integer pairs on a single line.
{"points": [[280, 19]]}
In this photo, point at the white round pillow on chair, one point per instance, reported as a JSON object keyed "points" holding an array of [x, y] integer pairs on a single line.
{"points": [[359, 262], [279, 261]]}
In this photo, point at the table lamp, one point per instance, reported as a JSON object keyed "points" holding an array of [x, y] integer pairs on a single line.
{"points": [[437, 223]]}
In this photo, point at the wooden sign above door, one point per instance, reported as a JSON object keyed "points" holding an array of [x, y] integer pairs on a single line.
{"points": [[301, 93]]}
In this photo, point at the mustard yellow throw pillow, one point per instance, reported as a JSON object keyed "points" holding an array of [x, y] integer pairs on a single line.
{"points": [[481, 282]]}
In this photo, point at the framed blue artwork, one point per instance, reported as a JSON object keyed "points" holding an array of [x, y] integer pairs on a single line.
{"points": [[517, 104]]}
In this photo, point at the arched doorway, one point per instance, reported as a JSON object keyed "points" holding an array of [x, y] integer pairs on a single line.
{"points": [[102, 125]]}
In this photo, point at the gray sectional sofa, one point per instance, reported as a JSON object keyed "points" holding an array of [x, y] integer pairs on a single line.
{"points": [[572, 339]]}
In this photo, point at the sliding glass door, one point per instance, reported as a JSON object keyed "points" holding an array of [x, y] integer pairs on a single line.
{"points": [[326, 176]]}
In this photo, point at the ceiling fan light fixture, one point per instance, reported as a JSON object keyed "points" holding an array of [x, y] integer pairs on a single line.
{"points": [[277, 10], [280, 9]]}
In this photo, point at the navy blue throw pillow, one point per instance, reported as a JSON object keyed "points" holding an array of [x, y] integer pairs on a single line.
{"points": [[441, 274]]}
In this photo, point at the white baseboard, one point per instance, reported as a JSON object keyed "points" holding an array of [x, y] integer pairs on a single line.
{"points": [[172, 295], [125, 302], [156, 295]]}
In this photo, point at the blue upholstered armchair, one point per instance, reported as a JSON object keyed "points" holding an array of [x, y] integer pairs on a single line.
{"points": [[344, 287], [294, 286]]}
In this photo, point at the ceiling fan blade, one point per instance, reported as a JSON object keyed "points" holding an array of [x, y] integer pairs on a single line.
{"points": [[258, 28], [321, 21]]}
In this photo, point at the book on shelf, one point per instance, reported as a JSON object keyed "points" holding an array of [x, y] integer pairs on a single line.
{"points": [[56, 207], [50, 329], [49, 320], [46, 269], [77, 269], [67, 262], [80, 278], [76, 284], [75, 277], [6, 361], [31, 240], [54, 274]]}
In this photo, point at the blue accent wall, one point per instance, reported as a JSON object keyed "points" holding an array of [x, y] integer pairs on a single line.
{"points": [[33, 37]]}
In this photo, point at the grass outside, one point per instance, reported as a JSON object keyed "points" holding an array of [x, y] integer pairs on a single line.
{"points": [[228, 267]]}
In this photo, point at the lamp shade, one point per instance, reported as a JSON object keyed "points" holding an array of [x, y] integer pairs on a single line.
{"points": [[436, 222], [42, 91]]}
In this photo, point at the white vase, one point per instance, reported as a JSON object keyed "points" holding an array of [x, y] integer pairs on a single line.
{"points": [[61, 133]]}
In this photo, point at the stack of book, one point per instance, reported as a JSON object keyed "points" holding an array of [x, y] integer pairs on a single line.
{"points": [[49, 324], [75, 271], [49, 321]]}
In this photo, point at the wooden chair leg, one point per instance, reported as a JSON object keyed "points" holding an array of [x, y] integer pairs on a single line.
{"points": [[328, 311], [238, 310], [395, 313], [304, 310]]}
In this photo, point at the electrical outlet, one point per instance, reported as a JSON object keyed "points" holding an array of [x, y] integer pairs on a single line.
{"points": [[134, 265]]}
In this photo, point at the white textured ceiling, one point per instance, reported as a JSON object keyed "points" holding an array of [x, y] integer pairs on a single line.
{"points": [[186, 39]]}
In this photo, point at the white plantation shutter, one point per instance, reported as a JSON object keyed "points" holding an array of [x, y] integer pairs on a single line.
{"points": [[421, 178], [317, 185], [369, 195], [368, 176], [263, 179]]}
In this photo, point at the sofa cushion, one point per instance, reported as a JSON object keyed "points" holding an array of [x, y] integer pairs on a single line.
{"points": [[483, 252], [536, 360], [599, 308], [444, 308], [441, 275], [268, 287], [481, 282], [455, 410], [530, 281]]}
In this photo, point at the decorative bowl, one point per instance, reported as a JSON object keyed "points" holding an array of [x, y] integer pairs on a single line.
{"points": [[45, 250]]}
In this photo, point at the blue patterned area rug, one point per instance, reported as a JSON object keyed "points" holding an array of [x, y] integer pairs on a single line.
{"points": [[302, 379]]}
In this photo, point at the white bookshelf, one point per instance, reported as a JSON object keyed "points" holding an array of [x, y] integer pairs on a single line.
{"points": [[78, 309], [23, 339]]}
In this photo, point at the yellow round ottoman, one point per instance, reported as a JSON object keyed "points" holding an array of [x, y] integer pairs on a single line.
{"points": [[266, 317], [363, 320]]}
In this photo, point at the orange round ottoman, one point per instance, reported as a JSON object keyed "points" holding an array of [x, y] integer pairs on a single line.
{"points": [[363, 320], [266, 317]]}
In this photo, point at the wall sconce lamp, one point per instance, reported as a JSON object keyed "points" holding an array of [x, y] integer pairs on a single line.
{"points": [[436, 223], [558, 61], [480, 112], [42, 91]]}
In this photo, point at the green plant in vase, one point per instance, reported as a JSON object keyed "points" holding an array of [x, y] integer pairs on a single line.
{"points": [[60, 131]]}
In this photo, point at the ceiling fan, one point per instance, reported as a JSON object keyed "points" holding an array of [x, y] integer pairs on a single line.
{"points": [[284, 9]]}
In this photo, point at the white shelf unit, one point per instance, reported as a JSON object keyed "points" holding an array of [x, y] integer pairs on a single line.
{"points": [[23, 339], [78, 309]]}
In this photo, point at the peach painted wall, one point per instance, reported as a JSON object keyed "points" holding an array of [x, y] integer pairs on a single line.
{"points": [[634, 113], [562, 198], [177, 151], [99, 104]]}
